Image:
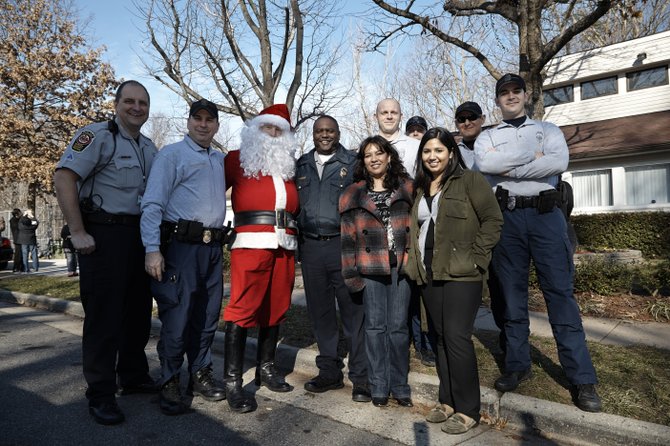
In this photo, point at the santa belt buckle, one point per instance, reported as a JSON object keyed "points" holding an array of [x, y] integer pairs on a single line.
{"points": [[280, 216], [207, 236], [511, 203]]}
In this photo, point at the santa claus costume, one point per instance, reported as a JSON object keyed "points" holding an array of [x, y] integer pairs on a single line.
{"points": [[265, 201]]}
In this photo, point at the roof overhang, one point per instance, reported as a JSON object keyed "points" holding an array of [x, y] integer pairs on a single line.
{"points": [[648, 133]]}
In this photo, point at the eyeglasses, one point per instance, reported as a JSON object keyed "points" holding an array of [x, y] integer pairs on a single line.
{"points": [[462, 119]]}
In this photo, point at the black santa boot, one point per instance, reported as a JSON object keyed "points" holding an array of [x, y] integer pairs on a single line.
{"points": [[266, 373], [236, 339]]}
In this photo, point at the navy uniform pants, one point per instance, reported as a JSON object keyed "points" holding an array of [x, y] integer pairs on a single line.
{"points": [[117, 304], [189, 305], [324, 286], [527, 235]]}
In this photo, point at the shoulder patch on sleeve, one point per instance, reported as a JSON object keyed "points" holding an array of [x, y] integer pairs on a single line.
{"points": [[84, 139]]}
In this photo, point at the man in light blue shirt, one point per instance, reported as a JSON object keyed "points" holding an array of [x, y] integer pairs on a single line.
{"points": [[523, 159], [183, 211]]}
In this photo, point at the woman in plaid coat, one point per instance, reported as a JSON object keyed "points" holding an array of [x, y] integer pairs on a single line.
{"points": [[375, 231]]}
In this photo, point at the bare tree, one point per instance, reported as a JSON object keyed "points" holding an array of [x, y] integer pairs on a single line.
{"points": [[628, 19], [440, 78], [536, 42], [245, 54], [160, 129]]}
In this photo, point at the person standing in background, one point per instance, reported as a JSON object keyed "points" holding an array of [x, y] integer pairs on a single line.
{"points": [[18, 254], [70, 252], [28, 240], [415, 127]]}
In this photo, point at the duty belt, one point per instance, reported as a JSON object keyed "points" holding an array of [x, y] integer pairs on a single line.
{"points": [[521, 202], [104, 218], [170, 230], [279, 218]]}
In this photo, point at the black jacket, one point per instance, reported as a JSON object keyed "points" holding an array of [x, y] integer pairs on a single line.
{"points": [[319, 198], [27, 228]]}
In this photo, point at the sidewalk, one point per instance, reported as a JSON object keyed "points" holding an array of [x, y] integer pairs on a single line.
{"points": [[605, 331], [563, 423]]}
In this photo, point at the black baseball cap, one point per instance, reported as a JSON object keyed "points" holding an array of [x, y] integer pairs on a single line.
{"points": [[417, 121], [204, 104], [510, 78], [471, 107]]}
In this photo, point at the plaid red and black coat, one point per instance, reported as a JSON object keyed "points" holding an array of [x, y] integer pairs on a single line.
{"points": [[365, 249]]}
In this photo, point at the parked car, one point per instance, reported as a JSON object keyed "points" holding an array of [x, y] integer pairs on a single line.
{"points": [[6, 252]]}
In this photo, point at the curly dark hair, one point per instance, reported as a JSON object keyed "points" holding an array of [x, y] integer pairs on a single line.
{"points": [[423, 176], [396, 172]]}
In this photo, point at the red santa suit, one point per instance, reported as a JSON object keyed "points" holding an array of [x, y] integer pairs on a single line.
{"points": [[262, 256]]}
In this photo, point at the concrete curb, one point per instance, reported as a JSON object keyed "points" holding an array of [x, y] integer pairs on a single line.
{"points": [[551, 420]]}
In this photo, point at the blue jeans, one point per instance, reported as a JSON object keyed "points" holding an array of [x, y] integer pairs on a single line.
{"points": [[71, 258], [386, 301], [32, 249], [527, 235]]}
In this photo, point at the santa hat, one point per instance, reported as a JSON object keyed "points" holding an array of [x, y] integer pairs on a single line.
{"points": [[276, 114]]}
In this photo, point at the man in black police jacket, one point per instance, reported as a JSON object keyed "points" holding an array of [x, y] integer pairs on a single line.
{"points": [[321, 176]]}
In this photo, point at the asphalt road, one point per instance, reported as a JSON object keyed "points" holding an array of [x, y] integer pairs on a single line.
{"points": [[42, 403]]}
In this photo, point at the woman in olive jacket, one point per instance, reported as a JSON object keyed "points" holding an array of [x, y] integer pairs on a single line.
{"points": [[455, 223], [374, 227]]}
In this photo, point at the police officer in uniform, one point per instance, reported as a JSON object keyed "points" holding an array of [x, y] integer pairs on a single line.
{"points": [[321, 176], [523, 159], [183, 211], [99, 182]]}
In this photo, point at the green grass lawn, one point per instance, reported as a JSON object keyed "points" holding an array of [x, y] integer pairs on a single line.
{"points": [[634, 381]]}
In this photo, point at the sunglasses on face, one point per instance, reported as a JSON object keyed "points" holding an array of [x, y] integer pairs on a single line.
{"points": [[461, 119]]}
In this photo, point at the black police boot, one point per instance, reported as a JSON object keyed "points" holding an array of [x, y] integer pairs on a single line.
{"points": [[170, 398], [236, 339], [202, 384], [266, 373]]}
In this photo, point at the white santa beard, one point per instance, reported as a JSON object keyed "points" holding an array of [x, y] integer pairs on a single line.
{"points": [[262, 154]]}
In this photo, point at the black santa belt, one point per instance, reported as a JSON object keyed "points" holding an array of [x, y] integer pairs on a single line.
{"points": [[279, 218]]}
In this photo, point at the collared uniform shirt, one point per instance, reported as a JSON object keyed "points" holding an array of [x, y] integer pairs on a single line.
{"points": [[113, 173], [187, 182], [506, 154]]}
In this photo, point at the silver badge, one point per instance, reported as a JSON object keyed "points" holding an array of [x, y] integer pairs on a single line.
{"points": [[207, 236]]}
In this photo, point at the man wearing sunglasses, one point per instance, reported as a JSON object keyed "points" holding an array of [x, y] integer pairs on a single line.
{"points": [[523, 159], [469, 120]]}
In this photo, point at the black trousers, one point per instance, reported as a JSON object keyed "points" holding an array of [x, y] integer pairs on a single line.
{"points": [[452, 307], [117, 304], [324, 285], [18, 258]]}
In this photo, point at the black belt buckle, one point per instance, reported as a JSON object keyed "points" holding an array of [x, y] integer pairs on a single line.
{"points": [[280, 216], [511, 203]]}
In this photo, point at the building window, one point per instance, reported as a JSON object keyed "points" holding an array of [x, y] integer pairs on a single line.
{"points": [[593, 188], [599, 87], [652, 77], [559, 95], [647, 184]]}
